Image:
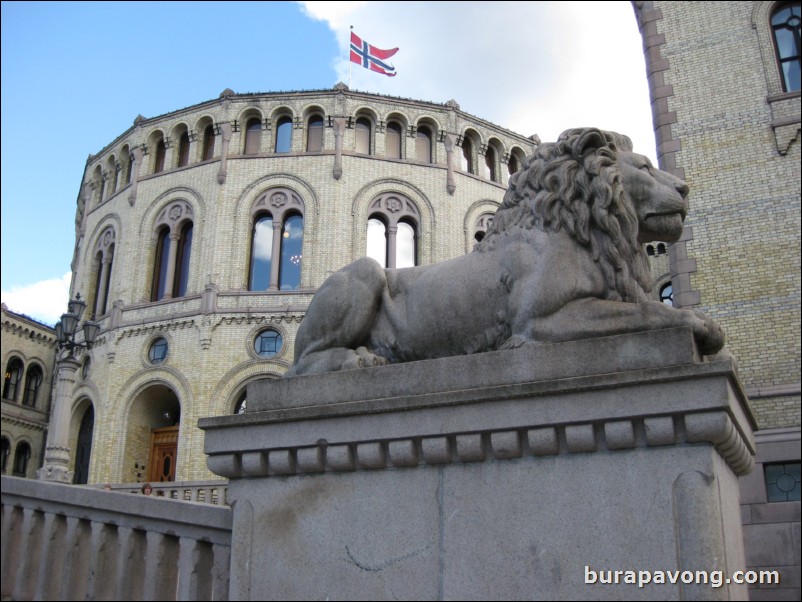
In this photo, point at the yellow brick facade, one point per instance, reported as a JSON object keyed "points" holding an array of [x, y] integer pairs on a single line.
{"points": [[210, 330]]}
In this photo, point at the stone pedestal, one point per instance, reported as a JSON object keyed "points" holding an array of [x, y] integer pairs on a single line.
{"points": [[520, 474]]}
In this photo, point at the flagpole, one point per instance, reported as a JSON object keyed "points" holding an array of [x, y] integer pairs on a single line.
{"points": [[349, 58]]}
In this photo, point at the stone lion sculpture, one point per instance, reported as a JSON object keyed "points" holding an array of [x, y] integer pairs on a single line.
{"points": [[563, 260]]}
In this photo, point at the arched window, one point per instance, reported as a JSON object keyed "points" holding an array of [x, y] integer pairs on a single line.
{"points": [[101, 270], [242, 403], [181, 278], [253, 136], [33, 379], [83, 449], [292, 242], [12, 379], [183, 150], [513, 165], [114, 170], [277, 240], [785, 22], [21, 456], [129, 171], [208, 143], [362, 143], [392, 231], [5, 452], [314, 134], [490, 164], [392, 140], [467, 155], [284, 135], [158, 163], [423, 144], [171, 265]]}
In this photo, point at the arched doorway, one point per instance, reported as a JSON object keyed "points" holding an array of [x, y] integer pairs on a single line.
{"points": [[151, 450], [83, 449]]}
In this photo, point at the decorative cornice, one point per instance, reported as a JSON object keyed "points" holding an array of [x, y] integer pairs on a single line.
{"points": [[716, 428]]}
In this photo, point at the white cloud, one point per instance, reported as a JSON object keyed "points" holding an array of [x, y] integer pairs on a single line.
{"points": [[45, 300], [533, 67]]}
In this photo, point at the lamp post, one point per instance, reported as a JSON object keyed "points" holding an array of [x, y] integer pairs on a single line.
{"points": [[57, 452]]}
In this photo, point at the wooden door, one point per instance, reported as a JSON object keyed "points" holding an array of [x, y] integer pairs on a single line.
{"points": [[163, 453]]}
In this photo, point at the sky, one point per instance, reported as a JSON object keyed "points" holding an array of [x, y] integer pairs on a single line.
{"points": [[75, 75]]}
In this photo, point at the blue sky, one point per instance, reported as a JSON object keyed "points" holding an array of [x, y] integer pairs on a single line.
{"points": [[76, 74]]}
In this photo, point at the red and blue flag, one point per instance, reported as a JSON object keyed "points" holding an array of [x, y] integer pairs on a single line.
{"points": [[371, 57]]}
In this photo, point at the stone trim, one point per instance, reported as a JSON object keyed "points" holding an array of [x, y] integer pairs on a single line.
{"points": [[716, 428], [667, 146]]}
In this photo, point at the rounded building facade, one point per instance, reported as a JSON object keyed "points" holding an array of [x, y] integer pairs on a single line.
{"points": [[202, 235]]}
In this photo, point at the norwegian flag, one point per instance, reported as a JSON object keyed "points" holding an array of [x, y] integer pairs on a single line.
{"points": [[371, 57]]}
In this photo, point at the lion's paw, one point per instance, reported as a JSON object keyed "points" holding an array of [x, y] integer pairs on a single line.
{"points": [[514, 342], [710, 336]]}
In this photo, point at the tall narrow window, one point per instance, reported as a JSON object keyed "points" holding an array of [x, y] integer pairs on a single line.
{"points": [[21, 457], [363, 136], [406, 252], [377, 241], [102, 192], [159, 287], [115, 175], [129, 171], [292, 240], [183, 150], [392, 141], [12, 379], [513, 166], [261, 253], [284, 135], [83, 450], [5, 453], [490, 164], [253, 136], [181, 278], [314, 134], [423, 144], [786, 25], [208, 143], [158, 163], [32, 382], [467, 156]]}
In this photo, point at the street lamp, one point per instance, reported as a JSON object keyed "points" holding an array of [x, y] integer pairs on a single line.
{"points": [[57, 452]]}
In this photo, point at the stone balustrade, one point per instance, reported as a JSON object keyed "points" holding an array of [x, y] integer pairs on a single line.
{"points": [[205, 492], [67, 543]]}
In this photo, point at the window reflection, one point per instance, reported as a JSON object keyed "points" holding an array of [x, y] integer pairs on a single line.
{"points": [[292, 236], [261, 253], [377, 241], [284, 135]]}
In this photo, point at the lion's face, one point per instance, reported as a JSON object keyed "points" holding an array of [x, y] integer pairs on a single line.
{"points": [[658, 198]]}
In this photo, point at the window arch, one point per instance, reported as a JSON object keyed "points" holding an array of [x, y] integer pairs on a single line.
{"points": [[21, 457], [128, 156], [284, 135], [314, 134], [490, 164], [392, 231], [276, 241], [33, 380], [785, 25], [12, 380], [362, 136], [392, 140], [423, 144], [113, 169], [99, 184], [171, 266], [253, 136], [483, 223], [83, 448], [467, 155]]}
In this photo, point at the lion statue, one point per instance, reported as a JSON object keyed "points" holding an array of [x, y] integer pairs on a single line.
{"points": [[563, 260]]}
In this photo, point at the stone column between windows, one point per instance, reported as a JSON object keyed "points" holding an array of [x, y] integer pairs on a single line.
{"points": [[100, 303], [391, 245], [276, 255], [137, 154], [57, 452], [175, 238], [225, 134], [450, 141], [339, 130]]}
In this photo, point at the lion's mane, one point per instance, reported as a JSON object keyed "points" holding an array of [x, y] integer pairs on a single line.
{"points": [[574, 185]]}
